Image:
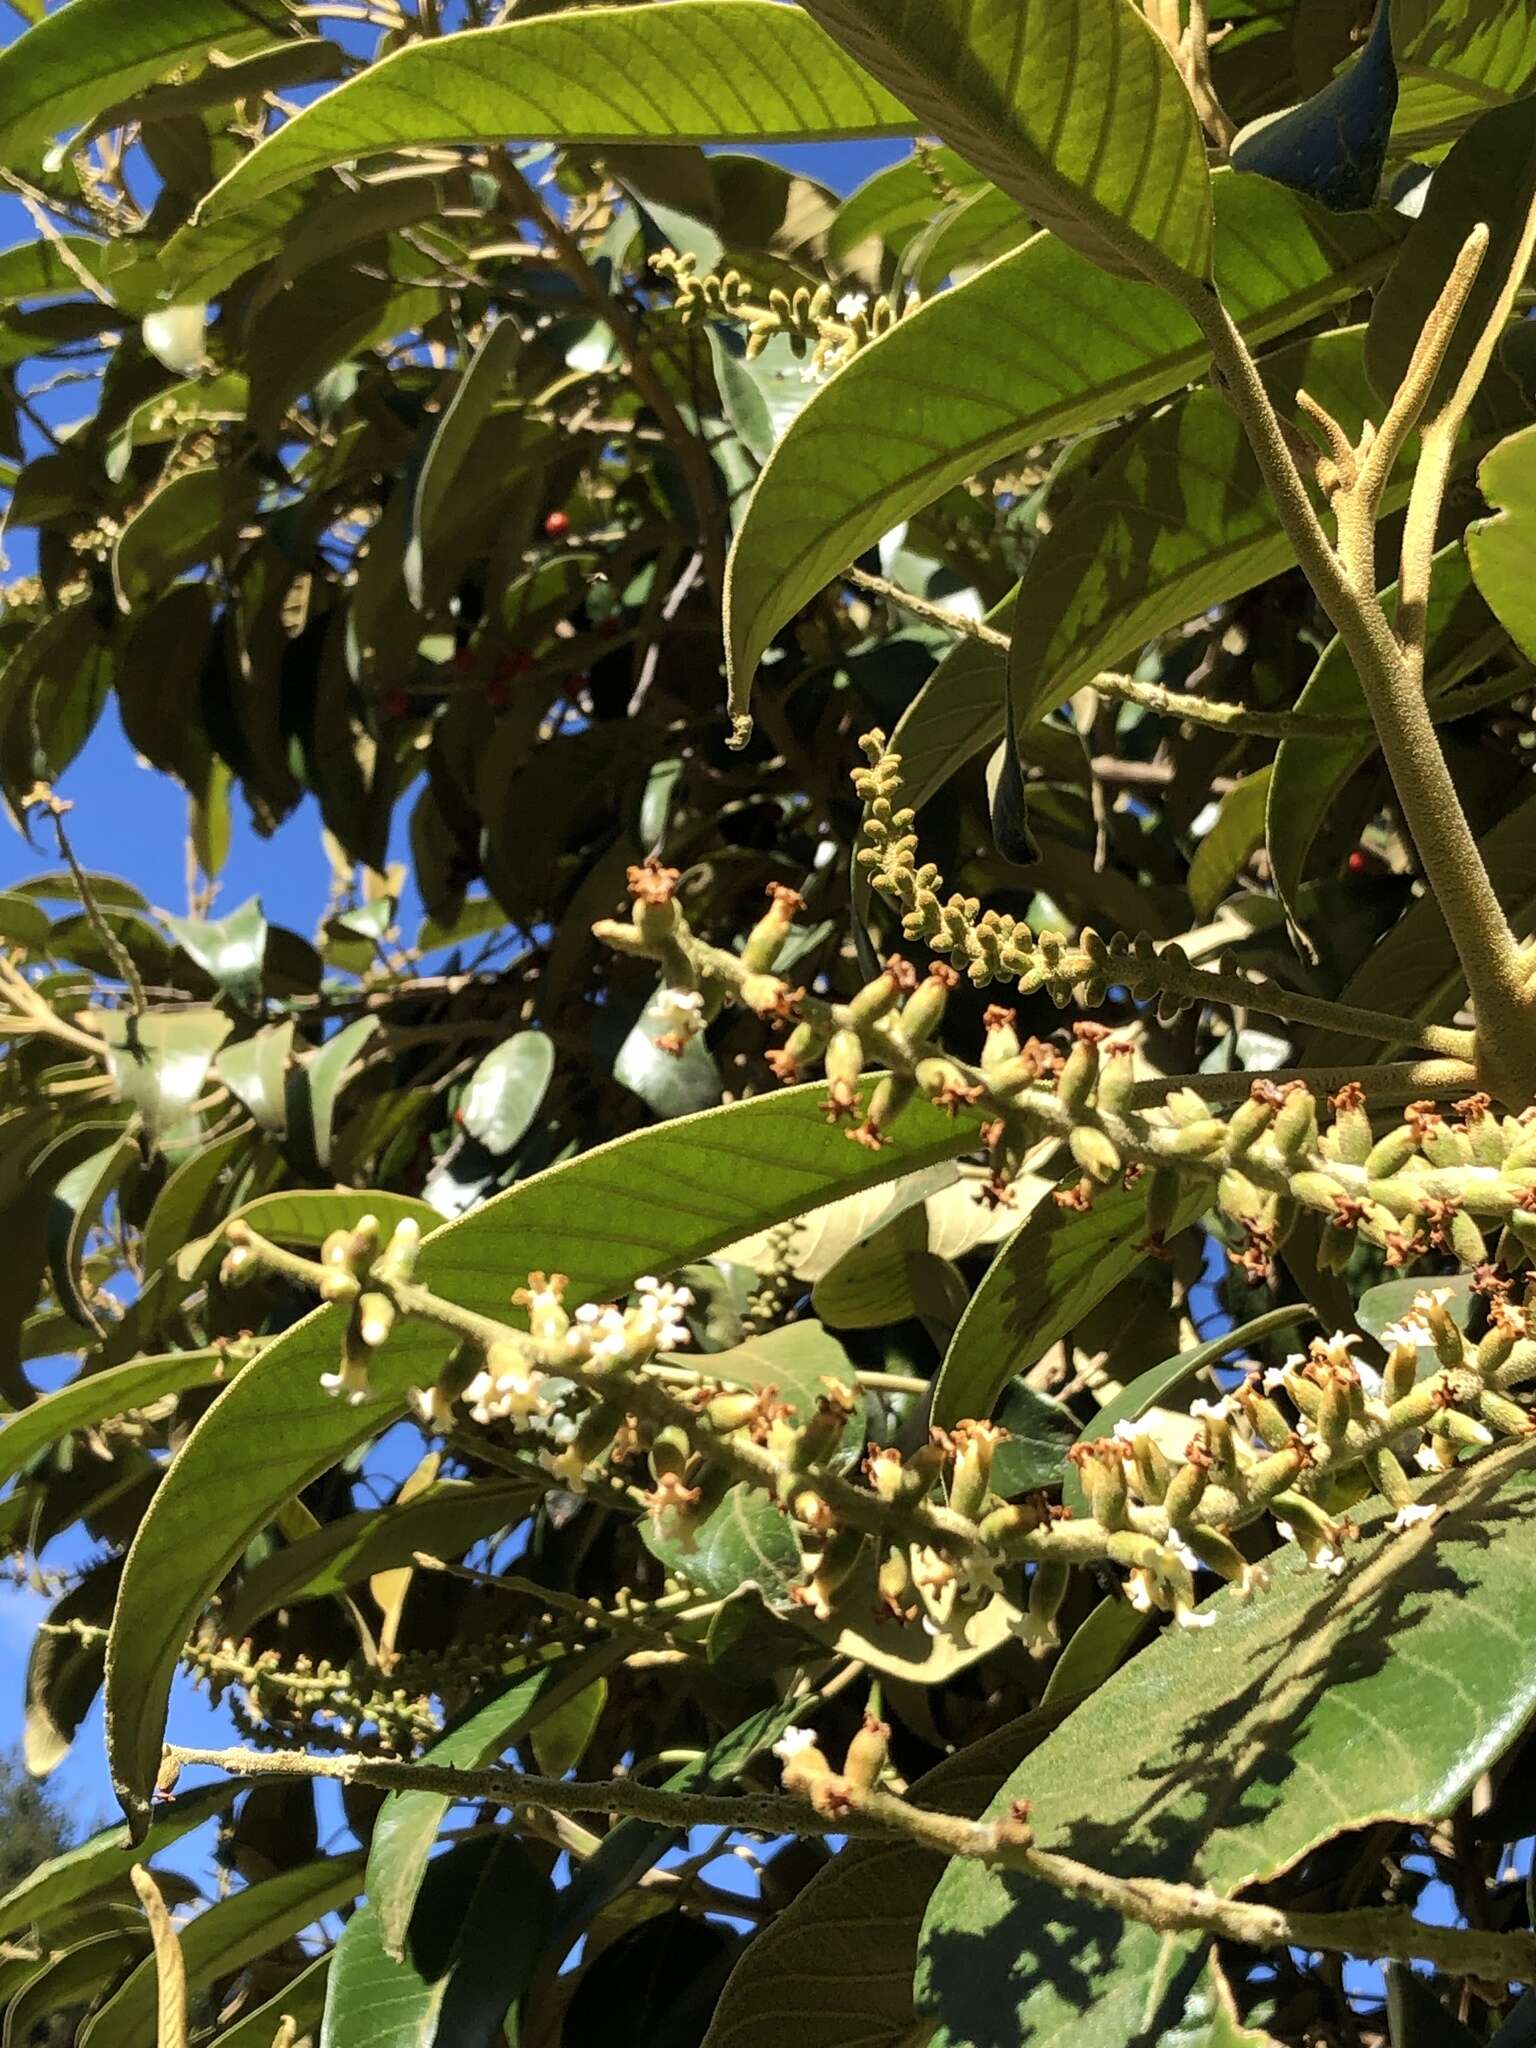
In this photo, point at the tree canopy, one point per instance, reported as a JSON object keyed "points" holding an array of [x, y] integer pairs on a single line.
{"points": [[848, 1352]]}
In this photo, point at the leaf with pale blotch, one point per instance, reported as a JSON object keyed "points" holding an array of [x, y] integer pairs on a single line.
{"points": [[505, 1090], [160, 1060], [1219, 1756], [255, 1073], [1455, 59]]}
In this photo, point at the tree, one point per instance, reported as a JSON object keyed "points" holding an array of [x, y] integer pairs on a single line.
{"points": [[899, 1318]]}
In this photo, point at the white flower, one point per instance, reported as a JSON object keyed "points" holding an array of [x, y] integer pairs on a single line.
{"points": [[349, 1385], [852, 304], [1286, 1532], [1274, 1377], [979, 1575], [1186, 1617], [794, 1742], [681, 1008], [1211, 1411], [1405, 1518], [1127, 1432], [1138, 1590], [1411, 1331], [1326, 1559], [1427, 1457], [509, 1390], [1432, 1297]]}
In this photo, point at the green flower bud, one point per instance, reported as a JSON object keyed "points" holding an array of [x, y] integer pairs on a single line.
{"points": [[923, 1011], [1117, 1077], [1295, 1127], [1316, 1190], [1247, 1124], [1095, 1153], [1391, 1153], [1080, 1070]]}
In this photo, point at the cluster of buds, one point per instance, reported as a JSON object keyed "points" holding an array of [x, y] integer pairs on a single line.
{"points": [[806, 1772], [828, 328]]}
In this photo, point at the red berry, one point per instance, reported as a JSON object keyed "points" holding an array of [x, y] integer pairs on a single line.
{"points": [[1358, 862], [497, 695], [464, 661], [557, 526], [396, 704]]}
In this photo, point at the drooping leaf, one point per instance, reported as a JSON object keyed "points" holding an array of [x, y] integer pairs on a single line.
{"points": [[1055, 1267], [64, 1668], [302, 2000], [620, 74], [831, 489], [668, 1196], [474, 1939], [1073, 108], [1218, 1756], [1235, 835], [505, 1091], [408, 1821], [72, 1979], [311, 1088], [99, 1397], [103, 1861], [62, 73], [340, 1553], [1334, 145], [185, 523], [480, 387], [231, 1933], [560, 1737], [160, 1060], [75, 1205]]}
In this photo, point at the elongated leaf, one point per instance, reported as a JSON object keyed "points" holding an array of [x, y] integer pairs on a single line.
{"points": [[480, 386], [1310, 774], [1499, 548], [233, 1932], [443, 1523], [99, 1397], [64, 1669], [185, 523], [1178, 520], [1454, 63], [896, 202], [667, 1196], [1219, 1756], [302, 2000], [1074, 107], [255, 1070], [1057, 1264], [62, 72], [231, 949], [831, 489], [474, 1940], [654, 73], [506, 1089], [408, 1821], [835, 1969], [72, 1979], [1100, 1646], [75, 1204], [187, 1198], [311, 1090], [104, 1860], [1237, 833]]}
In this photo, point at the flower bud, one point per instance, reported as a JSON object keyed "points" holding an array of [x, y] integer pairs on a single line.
{"points": [[766, 938], [1202, 1140], [1400, 1373], [1349, 1135], [1317, 1191], [1002, 1041], [1467, 1239], [336, 1250], [375, 1319], [879, 997], [1295, 1127], [1391, 1153], [1095, 1153], [398, 1263], [1505, 1417], [923, 1011], [1079, 1072], [1047, 1589], [975, 1443], [867, 1753], [1184, 1491], [239, 1266], [1117, 1077], [1247, 1124]]}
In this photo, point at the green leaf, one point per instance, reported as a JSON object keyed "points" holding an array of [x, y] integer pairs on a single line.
{"points": [[1235, 836], [99, 1397], [1218, 1757], [1417, 2019], [302, 2000], [1053, 1269], [1311, 774], [40, 269], [744, 1541], [648, 73], [834, 1969], [74, 1978], [229, 949], [669, 1084], [1146, 1391], [75, 1205], [896, 202], [505, 1091], [309, 1215], [1488, 179], [343, 311], [64, 1669], [475, 1938], [255, 1073], [105, 1859], [1177, 520], [667, 1196], [1097, 1649], [1499, 548], [560, 1738], [221, 1941], [22, 923], [444, 1523], [1279, 261], [408, 1821], [1454, 62], [159, 1061], [1040, 1432], [310, 1094], [185, 523], [182, 1207], [65, 70], [480, 387], [1074, 107]]}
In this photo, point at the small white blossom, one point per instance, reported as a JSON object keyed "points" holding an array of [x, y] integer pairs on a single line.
{"points": [[794, 1742], [1412, 1331], [1427, 1457], [680, 1008], [1432, 1297], [852, 304], [1326, 1559], [980, 1574], [349, 1385], [1211, 1411], [1127, 1432], [1286, 1533], [1139, 1590], [1274, 1377], [1405, 1518], [1182, 1551]]}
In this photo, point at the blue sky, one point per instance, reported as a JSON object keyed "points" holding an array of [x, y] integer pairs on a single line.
{"points": [[131, 821]]}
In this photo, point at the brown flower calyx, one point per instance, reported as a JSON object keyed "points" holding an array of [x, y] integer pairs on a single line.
{"points": [[650, 882], [1473, 1108], [1350, 1097], [997, 1017], [788, 902], [842, 1101], [867, 1134], [1423, 1118], [1079, 1198], [782, 1065]]}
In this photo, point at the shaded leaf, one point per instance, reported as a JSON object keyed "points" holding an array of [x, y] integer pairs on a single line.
{"points": [[1332, 147], [310, 1092], [505, 1091], [1219, 1757], [1231, 842], [480, 387], [159, 1061], [99, 1397], [1098, 1647], [229, 949], [74, 1978]]}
